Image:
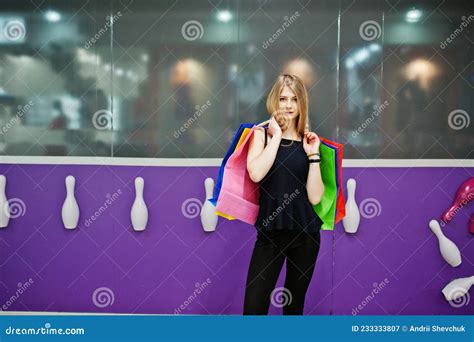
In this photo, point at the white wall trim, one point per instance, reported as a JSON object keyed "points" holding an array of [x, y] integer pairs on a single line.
{"points": [[180, 162], [69, 313]]}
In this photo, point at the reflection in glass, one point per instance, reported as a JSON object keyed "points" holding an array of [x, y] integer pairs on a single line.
{"points": [[175, 79]]}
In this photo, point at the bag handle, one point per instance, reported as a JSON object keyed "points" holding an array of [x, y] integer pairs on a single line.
{"points": [[262, 124]]}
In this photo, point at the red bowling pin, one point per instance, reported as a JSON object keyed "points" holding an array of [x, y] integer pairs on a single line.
{"points": [[464, 195]]}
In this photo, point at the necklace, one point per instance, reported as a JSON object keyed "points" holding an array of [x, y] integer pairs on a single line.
{"points": [[292, 141]]}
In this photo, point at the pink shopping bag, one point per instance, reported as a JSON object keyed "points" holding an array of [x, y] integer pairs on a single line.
{"points": [[239, 194]]}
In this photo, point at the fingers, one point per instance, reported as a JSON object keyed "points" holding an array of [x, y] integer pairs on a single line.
{"points": [[311, 136], [282, 122], [274, 126]]}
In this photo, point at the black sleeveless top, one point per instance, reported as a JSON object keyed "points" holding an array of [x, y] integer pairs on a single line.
{"points": [[284, 202]]}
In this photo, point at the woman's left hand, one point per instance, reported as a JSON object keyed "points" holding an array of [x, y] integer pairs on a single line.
{"points": [[311, 142]]}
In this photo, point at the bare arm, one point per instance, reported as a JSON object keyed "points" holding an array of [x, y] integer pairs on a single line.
{"points": [[259, 158], [314, 184]]}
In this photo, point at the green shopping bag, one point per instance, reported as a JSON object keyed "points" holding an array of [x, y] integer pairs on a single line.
{"points": [[326, 208]]}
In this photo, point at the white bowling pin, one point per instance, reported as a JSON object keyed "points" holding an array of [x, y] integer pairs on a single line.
{"points": [[457, 288], [70, 210], [208, 218], [139, 212], [4, 206], [449, 251], [352, 218]]}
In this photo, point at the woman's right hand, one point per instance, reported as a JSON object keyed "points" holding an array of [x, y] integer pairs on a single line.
{"points": [[274, 128]]}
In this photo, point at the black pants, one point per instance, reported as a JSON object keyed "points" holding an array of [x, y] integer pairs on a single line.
{"points": [[301, 251]]}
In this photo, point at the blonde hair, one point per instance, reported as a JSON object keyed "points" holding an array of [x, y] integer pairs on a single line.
{"points": [[297, 86]]}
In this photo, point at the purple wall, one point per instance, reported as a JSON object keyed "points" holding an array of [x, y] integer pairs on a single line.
{"points": [[155, 271]]}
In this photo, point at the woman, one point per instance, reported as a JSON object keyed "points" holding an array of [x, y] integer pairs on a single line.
{"points": [[285, 162]]}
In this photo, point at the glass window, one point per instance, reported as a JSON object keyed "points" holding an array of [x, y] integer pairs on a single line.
{"points": [[174, 79]]}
